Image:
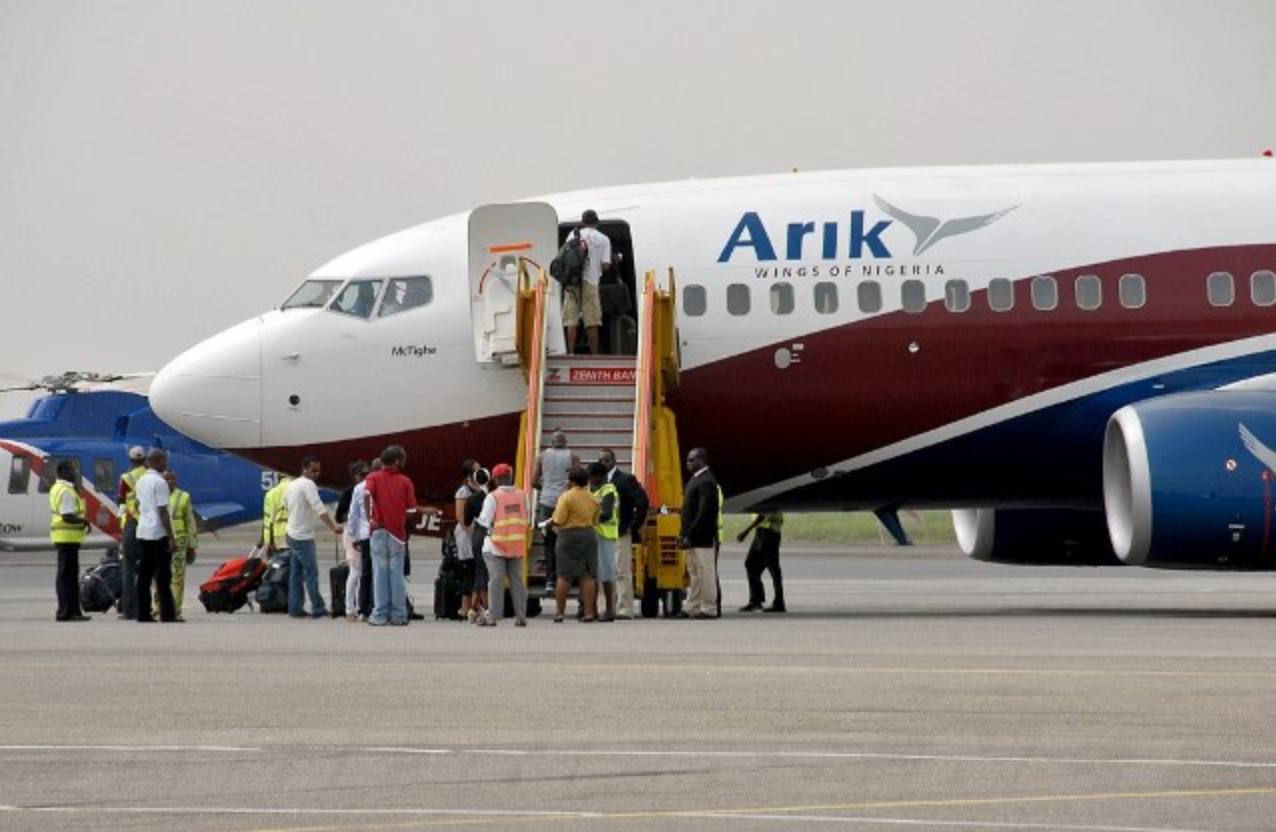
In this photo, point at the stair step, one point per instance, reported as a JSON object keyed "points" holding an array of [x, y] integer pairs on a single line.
{"points": [[595, 407]]}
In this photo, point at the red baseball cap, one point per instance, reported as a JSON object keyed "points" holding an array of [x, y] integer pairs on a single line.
{"points": [[502, 470]]}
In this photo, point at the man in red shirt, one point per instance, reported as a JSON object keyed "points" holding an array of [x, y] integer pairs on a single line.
{"points": [[390, 501]]}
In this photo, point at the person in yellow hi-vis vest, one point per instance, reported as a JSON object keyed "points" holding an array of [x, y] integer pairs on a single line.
{"points": [[130, 549], [608, 530], [764, 555], [68, 530], [274, 516], [186, 539]]}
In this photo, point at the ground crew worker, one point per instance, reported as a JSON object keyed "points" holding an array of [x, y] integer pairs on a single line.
{"points": [[608, 530], [502, 527], [274, 516], [68, 529], [130, 550], [185, 536], [633, 509], [764, 554], [698, 534]]}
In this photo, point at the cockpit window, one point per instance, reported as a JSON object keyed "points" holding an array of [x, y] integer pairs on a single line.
{"points": [[313, 293], [357, 298], [405, 293]]}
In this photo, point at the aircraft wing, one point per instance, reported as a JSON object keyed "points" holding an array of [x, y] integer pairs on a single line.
{"points": [[210, 515]]}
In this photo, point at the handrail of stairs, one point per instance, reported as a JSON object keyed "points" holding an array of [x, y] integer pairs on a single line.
{"points": [[644, 372], [534, 299]]}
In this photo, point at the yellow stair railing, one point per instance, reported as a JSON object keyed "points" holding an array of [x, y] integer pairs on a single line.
{"points": [[659, 565], [530, 322]]}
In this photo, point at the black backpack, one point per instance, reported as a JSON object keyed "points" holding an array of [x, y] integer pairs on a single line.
{"points": [[568, 268]]}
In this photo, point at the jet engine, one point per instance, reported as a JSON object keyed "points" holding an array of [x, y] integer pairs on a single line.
{"points": [[1188, 481], [1036, 537]]}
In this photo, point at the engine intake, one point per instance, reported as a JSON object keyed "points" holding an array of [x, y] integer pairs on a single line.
{"points": [[1036, 537], [1188, 481]]}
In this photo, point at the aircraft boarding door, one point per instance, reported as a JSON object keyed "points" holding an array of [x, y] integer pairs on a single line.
{"points": [[501, 236]]}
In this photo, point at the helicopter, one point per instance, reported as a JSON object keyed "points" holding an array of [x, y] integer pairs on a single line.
{"points": [[90, 419]]}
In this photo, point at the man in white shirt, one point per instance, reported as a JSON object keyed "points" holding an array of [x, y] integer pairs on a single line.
{"points": [[305, 510], [155, 538], [582, 303]]}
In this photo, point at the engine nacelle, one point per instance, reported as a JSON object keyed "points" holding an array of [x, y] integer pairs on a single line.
{"points": [[1036, 537], [1188, 481]]}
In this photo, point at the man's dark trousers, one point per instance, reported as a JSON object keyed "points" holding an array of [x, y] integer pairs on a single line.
{"points": [[68, 581]]}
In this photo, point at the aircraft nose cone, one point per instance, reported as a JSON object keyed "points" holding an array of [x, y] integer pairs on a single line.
{"points": [[212, 392]]}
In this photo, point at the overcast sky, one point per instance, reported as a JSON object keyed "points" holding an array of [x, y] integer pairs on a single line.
{"points": [[169, 168]]}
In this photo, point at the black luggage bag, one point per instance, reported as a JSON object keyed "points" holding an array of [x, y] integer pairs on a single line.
{"points": [[100, 587], [272, 593]]}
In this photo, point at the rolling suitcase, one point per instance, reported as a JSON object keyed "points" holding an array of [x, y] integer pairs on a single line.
{"points": [[337, 577], [232, 585]]}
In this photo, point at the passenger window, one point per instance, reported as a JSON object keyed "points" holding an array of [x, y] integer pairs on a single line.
{"points": [[694, 300], [956, 296], [19, 475], [738, 299], [104, 475], [312, 294], [782, 298], [357, 298], [1089, 292], [1001, 295], [1045, 293], [869, 296], [404, 293], [1133, 291], [50, 473], [912, 296], [1220, 289], [826, 298], [1262, 288]]}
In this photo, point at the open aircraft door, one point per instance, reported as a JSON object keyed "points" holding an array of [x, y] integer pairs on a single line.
{"points": [[503, 237]]}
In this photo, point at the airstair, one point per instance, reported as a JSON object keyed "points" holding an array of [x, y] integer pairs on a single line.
{"points": [[608, 401]]}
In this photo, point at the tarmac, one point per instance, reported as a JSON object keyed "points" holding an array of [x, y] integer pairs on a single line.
{"points": [[905, 688]]}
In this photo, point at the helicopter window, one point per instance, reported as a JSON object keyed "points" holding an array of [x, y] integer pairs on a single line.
{"points": [[103, 475], [357, 298], [311, 294], [19, 475], [50, 473], [405, 293]]}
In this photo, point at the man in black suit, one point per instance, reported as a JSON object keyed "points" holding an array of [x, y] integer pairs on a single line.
{"points": [[699, 534], [634, 505]]}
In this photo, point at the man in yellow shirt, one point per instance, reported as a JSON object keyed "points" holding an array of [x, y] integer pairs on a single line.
{"points": [[574, 518], [274, 517]]}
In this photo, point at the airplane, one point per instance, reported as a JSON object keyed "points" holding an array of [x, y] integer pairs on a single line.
{"points": [[96, 428], [1078, 359]]}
